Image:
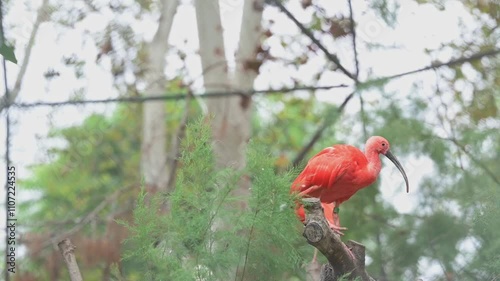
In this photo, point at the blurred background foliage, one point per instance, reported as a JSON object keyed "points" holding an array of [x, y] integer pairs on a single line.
{"points": [[92, 183]]}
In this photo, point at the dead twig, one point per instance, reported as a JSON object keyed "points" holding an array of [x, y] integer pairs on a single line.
{"points": [[67, 251]]}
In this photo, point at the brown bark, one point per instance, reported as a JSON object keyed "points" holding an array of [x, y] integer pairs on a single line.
{"points": [[344, 259], [67, 251]]}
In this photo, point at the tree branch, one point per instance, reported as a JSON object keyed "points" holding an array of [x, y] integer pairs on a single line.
{"points": [[328, 121], [462, 148], [308, 33], [363, 116], [67, 251], [346, 260], [475, 160], [353, 33], [88, 218], [436, 65], [42, 15]]}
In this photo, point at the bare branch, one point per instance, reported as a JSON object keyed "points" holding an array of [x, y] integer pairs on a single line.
{"points": [[436, 65], [42, 16], [327, 122], [475, 160], [90, 5], [67, 251], [460, 146], [353, 33], [363, 116], [345, 259], [88, 218], [308, 33]]}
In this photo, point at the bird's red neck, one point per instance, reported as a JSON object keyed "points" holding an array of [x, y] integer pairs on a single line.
{"points": [[374, 163]]}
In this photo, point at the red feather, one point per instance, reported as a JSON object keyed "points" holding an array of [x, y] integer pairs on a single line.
{"points": [[338, 170]]}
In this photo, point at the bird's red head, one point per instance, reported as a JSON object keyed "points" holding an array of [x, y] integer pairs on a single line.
{"points": [[379, 144]]}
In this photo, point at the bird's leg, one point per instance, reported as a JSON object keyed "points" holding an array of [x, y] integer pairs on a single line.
{"points": [[337, 229], [331, 217], [336, 219]]}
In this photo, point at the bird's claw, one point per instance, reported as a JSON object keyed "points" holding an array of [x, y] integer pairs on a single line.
{"points": [[337, 229]]}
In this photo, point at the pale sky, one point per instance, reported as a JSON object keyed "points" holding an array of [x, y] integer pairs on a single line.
{"points": [[419, 28]]}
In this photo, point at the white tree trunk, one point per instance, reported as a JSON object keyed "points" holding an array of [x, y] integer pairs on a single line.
{"points": [[246, 60], [154, 133], [216, 78], [250, 41], [231, 123]]}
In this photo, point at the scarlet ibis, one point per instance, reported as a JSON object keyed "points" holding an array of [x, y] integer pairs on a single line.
{"points": [[337, 172]]}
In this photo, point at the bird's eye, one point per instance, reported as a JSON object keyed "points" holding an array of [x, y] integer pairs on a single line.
{"points": [[383, 144]]}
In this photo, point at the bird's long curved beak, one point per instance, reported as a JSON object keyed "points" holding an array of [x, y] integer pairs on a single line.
{"points": [[394, 160]]}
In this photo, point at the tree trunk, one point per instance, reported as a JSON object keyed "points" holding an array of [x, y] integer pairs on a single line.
{"points": [[230, 116], [154, 158], [246, 57], [216, 78]]}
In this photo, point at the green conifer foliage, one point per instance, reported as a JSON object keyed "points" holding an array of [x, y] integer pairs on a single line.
{"points": [[206, 235]]}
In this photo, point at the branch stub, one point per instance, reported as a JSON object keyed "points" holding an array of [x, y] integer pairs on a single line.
{"points": [[313, 232]]}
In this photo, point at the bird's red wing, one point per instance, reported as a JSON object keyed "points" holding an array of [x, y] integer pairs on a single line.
{"points": [[324, 169]]}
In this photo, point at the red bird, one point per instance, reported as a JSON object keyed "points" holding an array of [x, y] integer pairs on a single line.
{"points": [[337, 172]]}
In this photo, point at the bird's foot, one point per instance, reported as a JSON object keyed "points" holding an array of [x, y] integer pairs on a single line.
{"points": [[337, 228]]}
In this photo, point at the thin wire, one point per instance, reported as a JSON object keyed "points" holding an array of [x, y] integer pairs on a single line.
{"points": [[7, 145], [178, 96], [182, 96]]}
